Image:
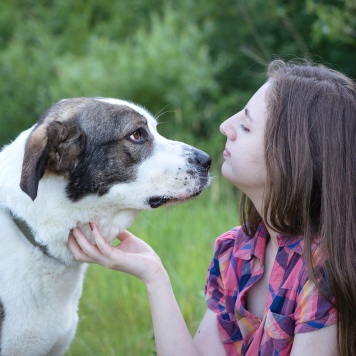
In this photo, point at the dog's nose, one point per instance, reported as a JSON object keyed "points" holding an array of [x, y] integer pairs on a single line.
{"points": [[203, 159]]}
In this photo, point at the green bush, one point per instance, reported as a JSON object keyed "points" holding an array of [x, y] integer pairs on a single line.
{"points": [[165, 69]]}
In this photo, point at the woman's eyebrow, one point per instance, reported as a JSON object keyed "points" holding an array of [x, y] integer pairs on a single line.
{"points": [[247, 114]]}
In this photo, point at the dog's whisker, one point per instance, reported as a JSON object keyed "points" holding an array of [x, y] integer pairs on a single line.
{"points": [[150, 223], [165, 112], [159, 112]]}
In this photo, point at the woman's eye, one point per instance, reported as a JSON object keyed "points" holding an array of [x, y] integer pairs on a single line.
{"points": [[244, 128]]}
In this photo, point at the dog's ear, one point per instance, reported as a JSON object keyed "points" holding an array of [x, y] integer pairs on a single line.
{"points": [[35, 159], [55, 146]]}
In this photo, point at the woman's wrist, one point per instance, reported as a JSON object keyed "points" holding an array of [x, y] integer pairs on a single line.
{"points": [[160, 280]]}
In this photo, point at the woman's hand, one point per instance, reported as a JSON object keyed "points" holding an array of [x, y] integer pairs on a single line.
{"points": [[137, 258], [131, 255]]}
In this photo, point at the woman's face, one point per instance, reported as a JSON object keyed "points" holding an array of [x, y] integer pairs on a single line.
{"points": [[244, 151]]}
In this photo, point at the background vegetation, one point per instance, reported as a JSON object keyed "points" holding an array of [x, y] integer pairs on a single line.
{"points": [[193, 63]]}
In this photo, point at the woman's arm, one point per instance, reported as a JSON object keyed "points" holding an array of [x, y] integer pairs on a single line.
{"points": [[171, 334], [314, 343], [135, 257], [207, 337]]}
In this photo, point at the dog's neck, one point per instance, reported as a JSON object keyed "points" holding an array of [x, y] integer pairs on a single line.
{"points": [[28, 233], [49, 230]]}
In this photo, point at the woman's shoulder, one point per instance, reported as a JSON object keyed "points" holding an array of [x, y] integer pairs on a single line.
{"points": [[231, 240]]}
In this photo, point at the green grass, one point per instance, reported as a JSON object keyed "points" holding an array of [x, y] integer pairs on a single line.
{"points": [[114, 310]]}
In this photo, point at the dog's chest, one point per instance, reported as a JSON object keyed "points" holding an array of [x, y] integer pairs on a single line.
{"points": [[38, 299]]}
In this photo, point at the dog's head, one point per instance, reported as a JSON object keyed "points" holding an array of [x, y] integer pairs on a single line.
{"points": [[107, 145]]}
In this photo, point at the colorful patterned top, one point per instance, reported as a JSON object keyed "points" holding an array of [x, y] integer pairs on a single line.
{"points": [[294, 304]]}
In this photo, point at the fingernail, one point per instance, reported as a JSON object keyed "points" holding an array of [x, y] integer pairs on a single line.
{"points": [[91, 226]]}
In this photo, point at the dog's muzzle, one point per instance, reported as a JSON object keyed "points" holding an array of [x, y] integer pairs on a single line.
{"points": [[199, 164], [202, 158]]}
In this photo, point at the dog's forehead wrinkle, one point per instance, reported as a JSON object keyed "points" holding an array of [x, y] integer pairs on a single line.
{"points": [[117, 135], [116, 125], [66, 109]]}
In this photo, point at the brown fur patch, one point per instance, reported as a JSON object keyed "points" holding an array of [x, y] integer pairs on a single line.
{"points": [[33, 166], [87, 141]]}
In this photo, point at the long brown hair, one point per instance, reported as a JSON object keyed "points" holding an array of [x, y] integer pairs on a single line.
{"points": [[310, 157]]}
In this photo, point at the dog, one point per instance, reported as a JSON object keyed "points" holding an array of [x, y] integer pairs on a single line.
{"points": [[97, 160]]}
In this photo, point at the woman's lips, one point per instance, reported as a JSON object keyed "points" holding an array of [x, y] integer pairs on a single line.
{"points": [[226, 153]]}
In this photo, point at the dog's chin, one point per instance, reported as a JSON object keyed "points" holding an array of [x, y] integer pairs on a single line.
{"points": [[159, 200]]}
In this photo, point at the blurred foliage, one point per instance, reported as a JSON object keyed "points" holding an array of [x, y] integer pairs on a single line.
{"points": [[193, 63], [336, 20]]}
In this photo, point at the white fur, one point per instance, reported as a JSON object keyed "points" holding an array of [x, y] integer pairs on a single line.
{"points": [[40, 294]]}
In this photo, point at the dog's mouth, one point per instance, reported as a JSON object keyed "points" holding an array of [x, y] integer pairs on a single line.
{"points": [[157, 201]]}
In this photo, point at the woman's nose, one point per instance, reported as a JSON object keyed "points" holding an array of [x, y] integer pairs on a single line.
{"points": [[227, 129], [222, 128]]}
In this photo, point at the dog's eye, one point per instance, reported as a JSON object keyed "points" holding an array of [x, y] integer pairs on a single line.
{"points": [[138, 136]]}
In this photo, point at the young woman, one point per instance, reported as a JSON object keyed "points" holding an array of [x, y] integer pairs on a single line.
{"points": [[285, 281]]}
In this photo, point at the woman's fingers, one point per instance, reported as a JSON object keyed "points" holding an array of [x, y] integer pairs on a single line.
{"points": [[73, 245], [131, 255], [76, 249], [104, 247], [102, 252], [83, 250], [124, 235]]}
